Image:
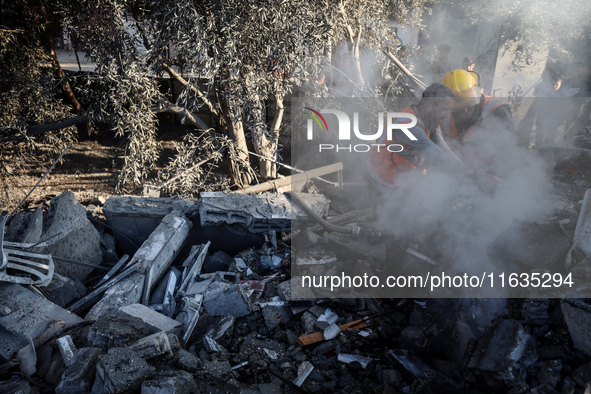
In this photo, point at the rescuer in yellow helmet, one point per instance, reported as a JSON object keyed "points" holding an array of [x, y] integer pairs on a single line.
{"points": [[472, 109]]}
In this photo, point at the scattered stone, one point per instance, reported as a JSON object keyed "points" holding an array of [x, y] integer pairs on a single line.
{"points": [[120, 370], [79, 376], [273, 316], [187, 361], [220, 369], [226, 300]]}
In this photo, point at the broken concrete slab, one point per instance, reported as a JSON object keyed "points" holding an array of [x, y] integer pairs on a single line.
{"points": [[187, 361], [153, 321], [79, 376], [154, 257], [69, 234], [257, 212], [120, 370], [31, 315], [135, 218], [222, 299]]}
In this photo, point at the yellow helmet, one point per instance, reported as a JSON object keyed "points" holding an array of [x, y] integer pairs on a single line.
{"points": [[465, 86]]}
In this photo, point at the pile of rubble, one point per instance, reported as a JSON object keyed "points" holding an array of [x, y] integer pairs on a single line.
{"points": [[161, 295]]}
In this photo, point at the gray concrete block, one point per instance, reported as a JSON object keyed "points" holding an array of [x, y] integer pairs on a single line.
{"points": [[152, 346], [273, 316], [156, 254], [257, 212], [79, 376], [137, 217], [121, 370], [30, 316], [153, 321], [222, 299], [69, 234], [187, 361]]}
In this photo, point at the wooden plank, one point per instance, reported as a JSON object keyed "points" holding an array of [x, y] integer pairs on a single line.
{"points": [[288, 180]]}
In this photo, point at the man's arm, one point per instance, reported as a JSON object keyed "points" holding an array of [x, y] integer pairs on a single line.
{"points": [[435, 152]]}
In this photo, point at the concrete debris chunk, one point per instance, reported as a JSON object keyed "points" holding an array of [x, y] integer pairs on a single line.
{"points": [[329, 316], [187, 361], [192, 307], [331, 332], [257, 212], [67, 349], [31, 315], [135, 218], [350, 358], [211, 345], [69, 234], [120, 370], [115, 331], [226, 300], [152, 346], [502, 354], [26, 227], [154, 256], [304, 371], [273, 316], [170, 382], [79, 376], [153, 321]]}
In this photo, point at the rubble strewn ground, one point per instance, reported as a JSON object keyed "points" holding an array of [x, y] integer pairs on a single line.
{"points": [[203, 304]]}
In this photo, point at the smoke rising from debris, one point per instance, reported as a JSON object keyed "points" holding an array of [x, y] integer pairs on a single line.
{"points": [[457, 216]]}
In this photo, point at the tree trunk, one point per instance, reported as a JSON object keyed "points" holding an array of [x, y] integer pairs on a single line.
{"points": [[240, 170], [265, 141], [60, 72]]}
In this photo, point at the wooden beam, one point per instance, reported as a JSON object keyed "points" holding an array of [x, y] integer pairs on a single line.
{"points": [[288, 180]]}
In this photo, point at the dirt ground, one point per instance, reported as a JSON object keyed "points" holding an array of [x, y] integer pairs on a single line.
{"points": [[89, 169]]}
